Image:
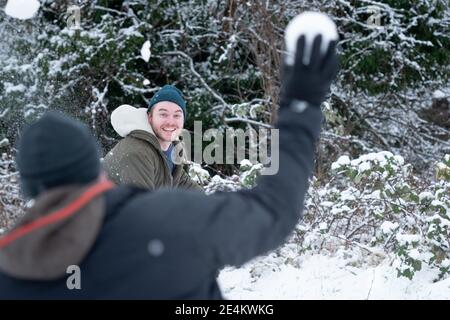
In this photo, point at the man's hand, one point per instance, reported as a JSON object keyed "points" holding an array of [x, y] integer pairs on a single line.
{"points": [[311, 82]]}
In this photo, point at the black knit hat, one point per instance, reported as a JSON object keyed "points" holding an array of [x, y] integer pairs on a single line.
{"points": [[56, 151]]}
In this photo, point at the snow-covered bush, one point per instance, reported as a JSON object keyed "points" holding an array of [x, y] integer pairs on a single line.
{"points": [[245, 178], [198, 174], [390, 44], [249, 173], [11, 204], [376, 201]]}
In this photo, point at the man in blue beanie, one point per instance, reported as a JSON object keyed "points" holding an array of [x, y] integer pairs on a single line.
{"points": [[89, 239], [145, 157]]}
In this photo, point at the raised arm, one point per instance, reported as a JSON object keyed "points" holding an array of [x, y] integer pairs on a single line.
{"points": [[232, 228]]}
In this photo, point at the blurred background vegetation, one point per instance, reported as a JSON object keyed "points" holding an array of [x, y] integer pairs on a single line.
{"points": [[391, 93]]}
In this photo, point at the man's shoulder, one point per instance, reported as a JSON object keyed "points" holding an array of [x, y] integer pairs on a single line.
{"points": [[127, 202], [135, 144], [129, 151], [144, 137], [120, 196]]}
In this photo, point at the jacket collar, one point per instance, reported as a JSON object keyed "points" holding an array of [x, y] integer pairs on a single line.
{"points": [[62, 226], [146, 136]]}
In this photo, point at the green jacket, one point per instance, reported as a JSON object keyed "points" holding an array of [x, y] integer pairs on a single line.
{"points": [[138, 160]]}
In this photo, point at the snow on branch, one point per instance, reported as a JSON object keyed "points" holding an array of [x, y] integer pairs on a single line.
{"points": [[249, 121], [203, 82]]}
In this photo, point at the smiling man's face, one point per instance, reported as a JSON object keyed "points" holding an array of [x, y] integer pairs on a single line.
{"points": [[166, 119]]}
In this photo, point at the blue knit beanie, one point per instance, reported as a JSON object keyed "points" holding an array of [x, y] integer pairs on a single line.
{"points": [[168, 93]]}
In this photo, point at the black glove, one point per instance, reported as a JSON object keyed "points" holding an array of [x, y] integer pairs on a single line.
{"points": [[309, 83]]}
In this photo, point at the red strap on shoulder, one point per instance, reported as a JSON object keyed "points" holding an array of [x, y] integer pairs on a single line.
{"points": [[58, 215]]}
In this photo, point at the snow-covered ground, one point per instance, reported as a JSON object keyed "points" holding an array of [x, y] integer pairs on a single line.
{"points": [[323, 277]]}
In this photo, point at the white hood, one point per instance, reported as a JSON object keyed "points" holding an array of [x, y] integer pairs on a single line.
{"points": [[126, 118]]}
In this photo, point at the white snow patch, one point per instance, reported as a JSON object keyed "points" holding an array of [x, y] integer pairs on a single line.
{"points": [[438, 203], [245, 163], [404, 239], [388, 227], [4, 142], [131, 32], [374, 195], [349, 194], [399, 159], [441, 166], [364, 166], [337, 211], [325, 277], [323, 226], [438, 94], [446, 263], [9, 87], [198, 174], [327, 204], [426, 195], [342, 161]]}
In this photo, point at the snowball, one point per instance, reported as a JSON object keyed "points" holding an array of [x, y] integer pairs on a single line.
{"points": [[309, 24], [22, 9], [145, 51]]}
